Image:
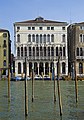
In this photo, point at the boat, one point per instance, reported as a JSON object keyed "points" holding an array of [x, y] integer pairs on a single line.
{"points": [[46, 77], [17, 78], [38, 77]]}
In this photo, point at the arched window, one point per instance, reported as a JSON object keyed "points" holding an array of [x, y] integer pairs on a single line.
{"points": [[48, 38], [44, 38], [40, 38], [21, 51], [56, 51], [29, 38], [37, 39], [61, 51], [48, 51], [25, 49], [52, 38], [29, 51], [80, 68], [44, 51], [4, 44], [19, 68], [4, 63], [18, 51], [63, 38], [41, 52], [63, 68], [33, 38], [18, 38], [33, 51], [37, 51], [64, 53], [77, 51], [81, 51], [52, 51], [80, 38]]}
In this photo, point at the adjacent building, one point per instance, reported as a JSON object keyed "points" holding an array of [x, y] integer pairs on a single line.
{"points": [[5, 51], [76, 48], [40, 41]]}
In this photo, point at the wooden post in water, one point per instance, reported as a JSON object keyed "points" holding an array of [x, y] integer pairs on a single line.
{"points": [[26, 90], [9, 84], [32, 84], [58, 85], [54, 86], [76, 83]]}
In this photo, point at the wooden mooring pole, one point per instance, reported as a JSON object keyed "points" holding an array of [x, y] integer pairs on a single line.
{"points": [[76, 83], [58, 85], [32, 84], [9, 84], [26, 90], [54, 86]]}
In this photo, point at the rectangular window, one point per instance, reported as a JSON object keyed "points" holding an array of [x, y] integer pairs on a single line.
{"points": [[48, 28], [4, 63], [4, 52], [18, 28], [40, 28], [63, 28], [29, 28], [33, 28], [52, 28]]}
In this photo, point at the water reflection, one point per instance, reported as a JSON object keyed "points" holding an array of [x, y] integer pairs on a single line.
{"points": [[43, 107]]}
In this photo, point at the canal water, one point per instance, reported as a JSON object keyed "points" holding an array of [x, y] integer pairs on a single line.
{"points": [[43, 107]]}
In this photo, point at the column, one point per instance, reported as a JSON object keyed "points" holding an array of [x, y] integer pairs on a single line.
{"points": [[27, 68], [22, 69], [44, 68], [55, 66], [38, 68], [49, 68]]}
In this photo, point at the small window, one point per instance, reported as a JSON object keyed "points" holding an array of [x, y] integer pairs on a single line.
{"points": [[18, 38], [4, 35], [29, 28], [4, 44], [18, 28], [4, 63], [48, 28], [63, 28], [40, 28], [80, 37], [4, 52], [33, 28], [52, 28]]}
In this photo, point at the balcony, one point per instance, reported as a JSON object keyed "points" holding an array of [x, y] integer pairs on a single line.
{"points": [[79, 57], [40, 58]]}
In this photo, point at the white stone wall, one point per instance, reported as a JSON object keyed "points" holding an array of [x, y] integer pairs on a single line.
{"points": [[58, 32]]}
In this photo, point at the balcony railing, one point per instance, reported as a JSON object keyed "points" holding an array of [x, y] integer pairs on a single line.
{"points": [[80, 57], [41, 58]]}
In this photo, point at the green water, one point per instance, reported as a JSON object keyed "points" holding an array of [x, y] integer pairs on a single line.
{"points": [[43, 107]]}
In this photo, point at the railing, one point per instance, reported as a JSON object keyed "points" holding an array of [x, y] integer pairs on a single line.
{"points": [[41, 58], [79, 57]]}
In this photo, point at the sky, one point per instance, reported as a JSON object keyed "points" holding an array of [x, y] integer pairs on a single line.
{"points": [[11, 11]]}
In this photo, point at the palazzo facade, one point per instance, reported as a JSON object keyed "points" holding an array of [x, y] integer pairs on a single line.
{"points": [[40, 41]]}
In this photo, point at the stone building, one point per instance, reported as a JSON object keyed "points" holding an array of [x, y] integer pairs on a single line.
{"points": [[76, 48], [40, 41], [5, 52]]}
